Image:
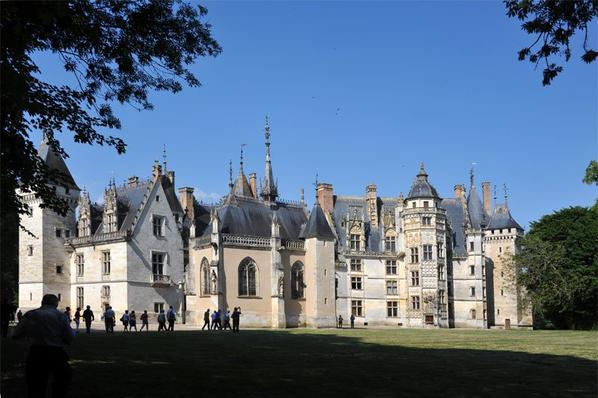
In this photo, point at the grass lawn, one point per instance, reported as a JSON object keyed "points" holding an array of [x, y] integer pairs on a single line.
{"points": [[310, 363]]}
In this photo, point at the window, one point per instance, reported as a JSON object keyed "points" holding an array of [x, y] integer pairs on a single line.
{"points": [[356, 283], [30, 250], [355, 242], [442, 300], [158, 263], [439, 250], [472, 270], [413, 204], [472, 314], [471, 246], [441, 272], [157, 223], [356, 265], [105, 291], [106, 263], [500, 249], [484, 314], [59, 269], [502, 274], [297, 285], [80, 302], [426, 221], [67, 233], [67, 190], [111, 224], [472, 291], [426, 204], [502, 292], [248, 278], [392, 309], [390, 244], [391, 267], [414, 255], [414, 278], [157, 198], [158, 307], [415, 302], [357, 307], [498, 311], [427, 252], [483, 291], [392, 288], [80, 263], [205, 277], [58, 233]]}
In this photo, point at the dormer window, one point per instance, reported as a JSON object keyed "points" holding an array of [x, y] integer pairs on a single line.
{"points": [[158, 225], [355, 242]]}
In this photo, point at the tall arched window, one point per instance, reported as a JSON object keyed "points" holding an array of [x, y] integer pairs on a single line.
{"points": [[205, 277], [248, 278], [297, 286]]}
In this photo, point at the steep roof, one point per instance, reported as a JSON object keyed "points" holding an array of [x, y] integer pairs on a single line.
{"points": [[455, 214], [421, 187], [502, 218], [477, 214], [317, 225], [56, 163]]}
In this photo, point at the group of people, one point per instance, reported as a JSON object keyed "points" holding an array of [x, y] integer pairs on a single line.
{"points": [[340, 321], [129, 320], [221, 320]]}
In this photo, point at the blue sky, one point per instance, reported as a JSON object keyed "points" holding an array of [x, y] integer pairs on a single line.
{"points": [[361, 93]]}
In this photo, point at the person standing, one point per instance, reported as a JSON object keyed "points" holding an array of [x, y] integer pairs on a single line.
{"points": [[132, 321], [227, 320], [340, 321], [214, 314], [109, 319], [206, 319], [219, 319], [171, 316], [49, 333], [19, 316], [125, 320], [352, 321], [88, 318], [236, 318], [144, 321], [67, 312], [161, 321], [77, 318]]}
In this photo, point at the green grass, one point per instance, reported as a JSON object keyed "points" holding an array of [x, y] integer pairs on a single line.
{"points": [[311, 363]]}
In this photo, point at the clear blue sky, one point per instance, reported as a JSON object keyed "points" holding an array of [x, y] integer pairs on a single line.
{"points": [[361, 93]]}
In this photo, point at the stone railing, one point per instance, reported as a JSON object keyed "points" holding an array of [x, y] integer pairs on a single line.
{"points": [[294, 244], [105, 237], [245, 241]]}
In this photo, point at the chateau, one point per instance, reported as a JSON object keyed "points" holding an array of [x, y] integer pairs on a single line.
{"points": [[419, 260]]}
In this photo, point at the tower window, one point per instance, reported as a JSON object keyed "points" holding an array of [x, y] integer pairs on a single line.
{"points": [[413, 204], [414, 255], [426, 204], [472, 291], [472, 270], [355, 265], [471, 246], [30, 250], [426, 221], [356, 283], [59, 269], [414, 278], [427, 252], [58, 233]]}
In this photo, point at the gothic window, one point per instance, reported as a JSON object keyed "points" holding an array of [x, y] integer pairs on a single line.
{"points": [[80, 301], [415, 302], [247, 278], [106, 263], [356, 283], [158, 263], [158, 225], [80, 262], [83, 227], [355, 265], [357, 307], [391, 267], [355, 242], [427, 252], [392, 288], [297, 286], [414, 278], [392, 309], [426, 221], [67, 233], [414, 255], [205, 277]]}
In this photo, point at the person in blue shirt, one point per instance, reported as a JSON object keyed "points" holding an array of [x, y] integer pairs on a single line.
{"points": [[171, 316]]}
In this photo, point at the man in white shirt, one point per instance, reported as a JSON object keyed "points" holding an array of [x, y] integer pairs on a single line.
{"points": [[48, 331]]}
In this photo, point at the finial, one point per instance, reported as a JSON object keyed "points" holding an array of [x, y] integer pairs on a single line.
{"points": [[302, 195], [164, 158], [422, 170], [494, 195], [241, 163], [471, 178], [230, 174], [506, 195], [267, 130]]}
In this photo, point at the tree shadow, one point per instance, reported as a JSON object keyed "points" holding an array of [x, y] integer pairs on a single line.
{"points": [[263, 363]]}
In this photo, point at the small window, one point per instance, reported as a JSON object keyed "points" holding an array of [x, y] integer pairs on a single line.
{"points": [[391, 267], [356, 283], [472, 314], [59, 297], [426, 221], [157, 198], [502, 292], [471, 246], [441, 272], [500, 249], [30, 250], [426, 204], [67, 190], [67, 233], [413, 204], [59, 269], [415, 302], [414, 278], [58, 233], [414, 255], [472, 270], [439, 250], [355, 265], [158, 225], [392, 288], [106, 263], [357, 307], [80, 297], [427, 252], [158, 307], [392, 309], [472, 291], [498, 311], [30, 296]]}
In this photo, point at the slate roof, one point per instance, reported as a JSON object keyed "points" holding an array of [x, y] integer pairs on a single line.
{"points": [[241, 186], [502, 218], [421, 187], [55, 162], [477, 214], [317, 225], [455, 214]]}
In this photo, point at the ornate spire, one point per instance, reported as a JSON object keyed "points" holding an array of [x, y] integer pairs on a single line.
{"points": [[241, 161], [269, 189], [230, 174]]}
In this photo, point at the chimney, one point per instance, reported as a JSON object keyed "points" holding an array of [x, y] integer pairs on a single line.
{"points": [[170, 175], [133, 181], [253, 184], [156, 170], [186, 198], [486, 197], [459, 191], [372, 203], [325, 196]]}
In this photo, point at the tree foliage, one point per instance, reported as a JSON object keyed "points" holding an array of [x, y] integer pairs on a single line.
{"points": [[558, 266], [553, 23], [591, 176], [117, 50]]}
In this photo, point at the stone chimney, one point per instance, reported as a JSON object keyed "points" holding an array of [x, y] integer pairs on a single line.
{"points": [[372, 203], [133, 181], [486, 197], [170, 175], [459, 191], [253, 184], [186, 198], [325, 196]]}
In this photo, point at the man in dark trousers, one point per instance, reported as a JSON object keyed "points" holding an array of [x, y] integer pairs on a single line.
{"points": [[206, 319], [49, 332], [352, 321], [236, 317], [88, 318]]}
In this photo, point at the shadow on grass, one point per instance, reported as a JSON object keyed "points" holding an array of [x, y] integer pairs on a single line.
{"points": [[282, 363]]}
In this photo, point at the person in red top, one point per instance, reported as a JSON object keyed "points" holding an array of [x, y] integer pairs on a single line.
{"points": [[144, 321]]}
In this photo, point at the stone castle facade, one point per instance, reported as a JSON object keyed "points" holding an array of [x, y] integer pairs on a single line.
{"points": [[409, 261]]}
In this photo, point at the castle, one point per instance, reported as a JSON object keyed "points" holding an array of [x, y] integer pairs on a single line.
{"points": [[414, 261]]}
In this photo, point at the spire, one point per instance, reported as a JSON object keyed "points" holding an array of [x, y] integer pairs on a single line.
{"points": [[506, 195], [56, 163], [164, 159], [471, 183], [241, 161], [230, 174], [269, 189]]}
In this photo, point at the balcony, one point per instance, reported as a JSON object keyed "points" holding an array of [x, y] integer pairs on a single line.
{"points": [[160, 280]]}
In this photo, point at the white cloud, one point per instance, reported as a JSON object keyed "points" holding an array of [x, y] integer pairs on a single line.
{"points": [[206, 197]]}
